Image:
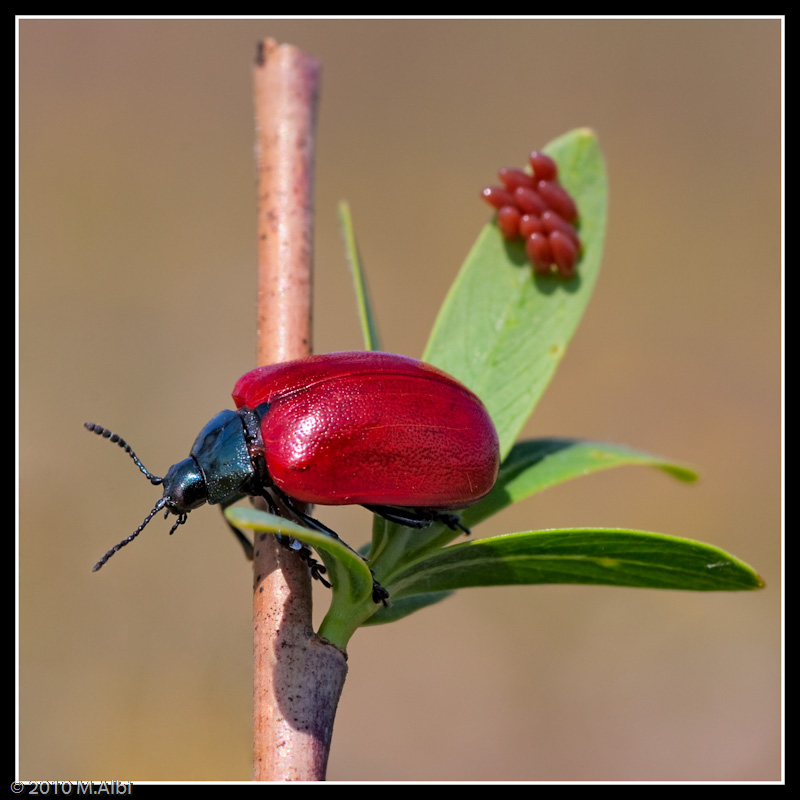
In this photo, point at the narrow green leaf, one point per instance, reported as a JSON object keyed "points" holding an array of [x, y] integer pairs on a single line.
{"points": [[404, 606], [348, 572], [369, 327], [502, 330], [603, 556], [536, 464]]}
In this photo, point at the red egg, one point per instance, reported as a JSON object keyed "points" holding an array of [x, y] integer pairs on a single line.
{"points": [[497, 196], [565, 253], [508, 218], [558, 199], [513, 178], [544, 168], [538, 249], [529, 202]]}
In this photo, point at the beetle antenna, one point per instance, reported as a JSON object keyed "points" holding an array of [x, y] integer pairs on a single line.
{"points": [[159, 505], [107, 434]]}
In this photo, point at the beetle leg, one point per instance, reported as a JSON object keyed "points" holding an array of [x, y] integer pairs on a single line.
{"points": [[317, 570], [393, 515], [310, 521], [418, 517], [379, 594], [453, 522], [246, 544], [271, 504]]}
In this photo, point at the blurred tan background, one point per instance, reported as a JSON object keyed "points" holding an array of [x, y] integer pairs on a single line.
{"points": [[137, 249]]}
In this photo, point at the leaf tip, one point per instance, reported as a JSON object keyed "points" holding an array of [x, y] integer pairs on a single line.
{"points": [[685, 474]]}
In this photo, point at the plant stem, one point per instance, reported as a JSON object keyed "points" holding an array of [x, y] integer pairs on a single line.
{"points": [[297, 677]]}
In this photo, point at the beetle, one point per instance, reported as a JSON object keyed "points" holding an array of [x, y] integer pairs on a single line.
{"points": [[396, 435]]}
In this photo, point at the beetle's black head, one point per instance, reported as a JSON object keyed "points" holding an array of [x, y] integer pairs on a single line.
{"points": [[184, 487], [217, 471]]}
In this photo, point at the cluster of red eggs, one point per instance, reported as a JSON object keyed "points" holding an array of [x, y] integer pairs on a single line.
{"points": [[538, 209]]}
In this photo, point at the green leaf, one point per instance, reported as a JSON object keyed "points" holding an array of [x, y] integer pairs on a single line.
{"points": [[536, 464], [351, 603], [404, 606], [602, 556], [502, 330], [369, 326]]}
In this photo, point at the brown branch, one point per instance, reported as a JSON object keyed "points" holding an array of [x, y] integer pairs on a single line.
{"points": [[297, 678]]}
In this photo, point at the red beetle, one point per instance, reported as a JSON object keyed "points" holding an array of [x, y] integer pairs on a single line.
{"points": [[391, 433]]}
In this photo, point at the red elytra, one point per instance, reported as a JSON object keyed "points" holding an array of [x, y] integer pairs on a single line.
{"points": [[372, 428]]}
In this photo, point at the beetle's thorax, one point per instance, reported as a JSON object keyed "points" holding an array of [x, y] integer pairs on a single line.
{"points": [[226, 462]]}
